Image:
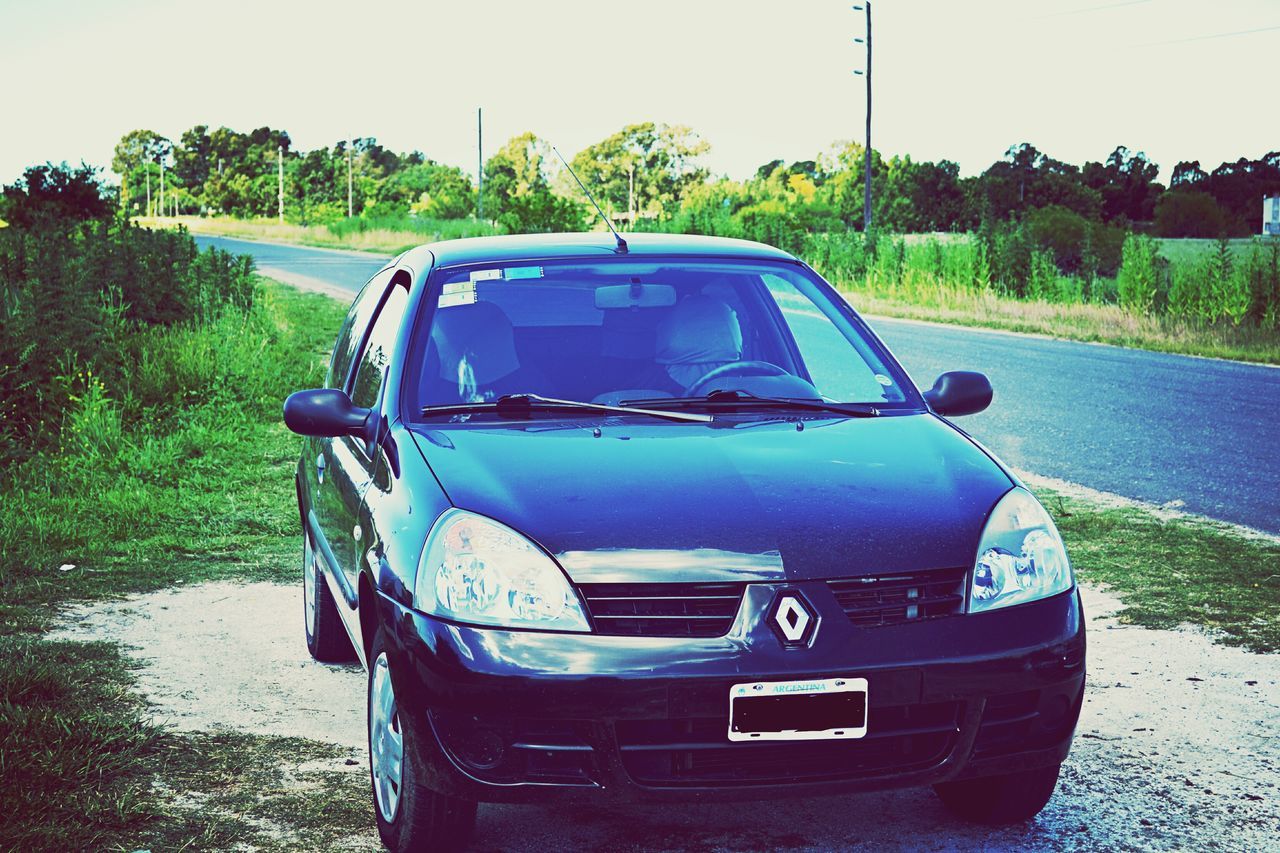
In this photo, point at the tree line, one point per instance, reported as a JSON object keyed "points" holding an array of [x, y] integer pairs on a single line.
{"points": [[652, 175]]}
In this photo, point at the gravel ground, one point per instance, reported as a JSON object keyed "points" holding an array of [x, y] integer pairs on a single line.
{"points": [[1178, 746]]}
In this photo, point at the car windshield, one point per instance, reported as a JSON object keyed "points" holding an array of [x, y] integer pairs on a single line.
{"points": [[620, 330]]}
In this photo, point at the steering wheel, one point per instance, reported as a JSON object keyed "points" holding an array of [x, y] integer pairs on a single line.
{"points": [[736, 368]]}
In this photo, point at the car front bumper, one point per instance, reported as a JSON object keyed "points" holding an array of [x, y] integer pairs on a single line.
{"points": [[521, 716]]}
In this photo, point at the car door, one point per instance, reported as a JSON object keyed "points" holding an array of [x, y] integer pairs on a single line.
{"points": [[335, 482], [352, 460]]}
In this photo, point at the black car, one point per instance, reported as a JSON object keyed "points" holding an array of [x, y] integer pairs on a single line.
{"points": [[665, 520]]}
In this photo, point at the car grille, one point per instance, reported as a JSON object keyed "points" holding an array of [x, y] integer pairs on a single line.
{"points": [[696, 751], [898, 598], [663, 609]]}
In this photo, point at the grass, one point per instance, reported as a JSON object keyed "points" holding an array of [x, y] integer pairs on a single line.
{"points": [[390, 236], [1172, 570], [277, 793], [195, 490], [201, 489], [1192, 249], [1108, 324]]}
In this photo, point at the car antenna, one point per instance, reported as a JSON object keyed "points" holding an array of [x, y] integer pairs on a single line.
{"points": [[622, 244]]}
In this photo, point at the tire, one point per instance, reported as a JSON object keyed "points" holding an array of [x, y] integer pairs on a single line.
{"points": [[327, 638], [411, 816], [1000, 799]]}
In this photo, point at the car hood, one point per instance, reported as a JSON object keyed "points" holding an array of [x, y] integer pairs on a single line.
{"points": [[749, 499]]}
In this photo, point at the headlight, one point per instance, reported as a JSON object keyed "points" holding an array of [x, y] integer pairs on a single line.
{"points": [[1020, 556], [476, 570]]}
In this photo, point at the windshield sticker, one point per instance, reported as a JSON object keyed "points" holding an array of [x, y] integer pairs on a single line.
{"points": [[510, 274], [457, 293], [884, 380]]}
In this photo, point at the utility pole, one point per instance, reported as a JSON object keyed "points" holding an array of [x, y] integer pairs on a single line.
{"points": [[280, 183], [480, 163], [631, 194], [866, 168], [350, 144], [163, 210], [148, 191]]}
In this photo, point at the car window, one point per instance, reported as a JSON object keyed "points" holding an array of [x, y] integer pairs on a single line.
{"points": [[614, 330], [378, 349], [824, 348], [353, 327]]}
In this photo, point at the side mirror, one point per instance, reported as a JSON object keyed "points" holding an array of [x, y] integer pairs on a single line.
{"points": [[325, 413], [959, 392]]}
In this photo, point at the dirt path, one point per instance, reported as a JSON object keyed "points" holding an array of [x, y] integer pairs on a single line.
{"points": [[1178, 746]]}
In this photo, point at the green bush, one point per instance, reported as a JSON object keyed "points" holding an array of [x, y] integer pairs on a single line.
{"points": [[1260, 274], [771, 221], [1189, 213], [75, 296]]}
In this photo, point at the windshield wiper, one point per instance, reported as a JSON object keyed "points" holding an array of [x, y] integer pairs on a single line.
{"points": [[746, 398], [520, 405]]}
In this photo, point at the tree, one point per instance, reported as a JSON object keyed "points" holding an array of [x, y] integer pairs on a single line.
{"points": [[1239, 188], [136, 158], [515, 169], [1027, 179], [648, 165], [54, 194], [842, 191], [1189, 213], [518, 191], [191, 159], [1187, 174], [1126, 184]]}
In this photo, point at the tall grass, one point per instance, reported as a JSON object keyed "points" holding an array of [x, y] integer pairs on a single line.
{"points": [[74, 297], [1224, 304]]}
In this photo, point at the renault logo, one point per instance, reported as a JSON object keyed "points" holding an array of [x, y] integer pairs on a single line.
{"points": [[793, 619]]}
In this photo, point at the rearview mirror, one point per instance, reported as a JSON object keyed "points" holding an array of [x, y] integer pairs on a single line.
{"points": [[959, 392], [325, 413], [635, 295]]}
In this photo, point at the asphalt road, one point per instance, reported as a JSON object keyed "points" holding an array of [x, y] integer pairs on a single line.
{"points": [[1198, 433]]}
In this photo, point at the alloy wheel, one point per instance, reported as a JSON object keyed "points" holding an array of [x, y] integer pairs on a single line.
{"points": [[386, 740]]}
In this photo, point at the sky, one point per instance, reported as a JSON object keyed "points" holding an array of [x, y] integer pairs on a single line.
{"points": [[1177, 79]]}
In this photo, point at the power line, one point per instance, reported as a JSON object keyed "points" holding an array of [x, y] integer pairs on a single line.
{"points": [[1087, 9], [1214, 36]]}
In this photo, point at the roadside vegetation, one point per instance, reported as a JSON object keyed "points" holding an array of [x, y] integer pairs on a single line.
{"points": [[385, 235], [1218, 299], [1091, 252], [140, 447], [1173, 570], [148, 452]]}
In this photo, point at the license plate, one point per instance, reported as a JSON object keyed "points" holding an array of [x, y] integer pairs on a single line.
{"points": [[827, 709]]}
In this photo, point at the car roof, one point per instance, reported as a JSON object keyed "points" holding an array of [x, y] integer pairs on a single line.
{"points": [[550, 246]]}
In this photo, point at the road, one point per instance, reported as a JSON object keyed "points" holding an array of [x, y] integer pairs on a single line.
{"points": [[1200, 434]]}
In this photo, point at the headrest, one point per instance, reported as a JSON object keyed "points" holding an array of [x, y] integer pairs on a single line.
{"points": [[700, 329], [481, 334]]}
